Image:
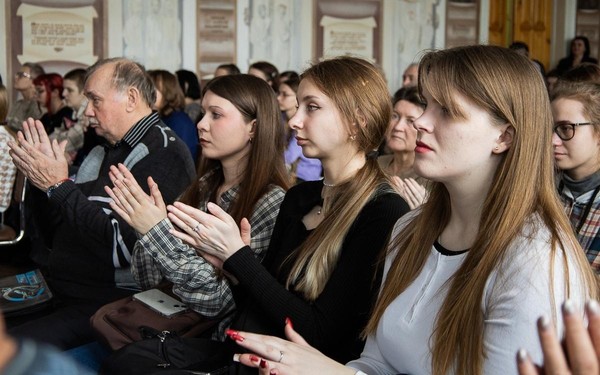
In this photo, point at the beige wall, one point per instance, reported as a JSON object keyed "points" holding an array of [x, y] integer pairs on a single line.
{"points": [[392, 62]]}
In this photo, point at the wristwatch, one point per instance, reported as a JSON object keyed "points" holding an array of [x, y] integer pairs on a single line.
{"points": [[55, 186]]}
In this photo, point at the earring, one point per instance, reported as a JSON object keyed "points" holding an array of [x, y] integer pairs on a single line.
{"points": [[496, 148], [250, 140], [353, 137]]}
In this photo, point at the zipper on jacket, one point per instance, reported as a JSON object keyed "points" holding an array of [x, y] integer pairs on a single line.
{"points": [[162, 349]]}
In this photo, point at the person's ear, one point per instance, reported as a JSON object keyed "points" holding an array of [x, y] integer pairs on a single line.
{"points": [[504, 141], [252, 129], [133, 99], [360, 118]]}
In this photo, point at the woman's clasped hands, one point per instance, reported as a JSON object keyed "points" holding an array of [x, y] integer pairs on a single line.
{"points": [[215, 234]]}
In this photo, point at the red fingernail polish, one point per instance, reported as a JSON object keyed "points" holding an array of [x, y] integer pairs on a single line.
{"points": [[254, 358], [239, 338], [263, 363], [289, 321], [230, 332], [234, 335]]}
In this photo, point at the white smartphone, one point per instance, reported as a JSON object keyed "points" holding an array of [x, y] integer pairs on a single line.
{"points": [[160, 302]]}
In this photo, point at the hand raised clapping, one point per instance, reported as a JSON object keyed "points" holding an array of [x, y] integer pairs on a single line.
{"points": [[138, 209], [42, 161], [215, 234]]}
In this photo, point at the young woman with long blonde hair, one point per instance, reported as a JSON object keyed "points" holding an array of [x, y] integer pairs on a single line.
{"points": [[468, 275], [321, 269]]}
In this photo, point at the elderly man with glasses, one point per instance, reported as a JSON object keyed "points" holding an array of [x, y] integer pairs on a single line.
{"points": [[26, 106]]}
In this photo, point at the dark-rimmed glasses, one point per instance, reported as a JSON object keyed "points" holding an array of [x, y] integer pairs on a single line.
{"points": [[566, 130]]}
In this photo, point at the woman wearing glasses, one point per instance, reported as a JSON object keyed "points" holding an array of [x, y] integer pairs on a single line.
{"points": [[27, 106], [576, 143]]}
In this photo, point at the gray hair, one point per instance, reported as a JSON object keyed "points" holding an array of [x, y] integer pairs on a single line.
{"points": [[35, 70], [127, 73]]}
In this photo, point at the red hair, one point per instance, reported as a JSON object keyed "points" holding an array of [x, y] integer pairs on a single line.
{"points": [[51, 82]]}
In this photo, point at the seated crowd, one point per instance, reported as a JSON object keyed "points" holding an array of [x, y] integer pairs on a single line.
{"points": [[326, 227]]}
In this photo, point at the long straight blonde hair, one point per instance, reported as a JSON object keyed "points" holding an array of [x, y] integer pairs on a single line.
{"points": [[510, 89], [359, 92]]}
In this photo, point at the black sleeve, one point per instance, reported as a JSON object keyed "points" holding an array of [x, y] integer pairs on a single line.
{"points": [[349, 292], [107, 228]]}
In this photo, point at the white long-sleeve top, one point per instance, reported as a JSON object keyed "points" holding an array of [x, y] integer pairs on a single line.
{"points": [[515, 296]]}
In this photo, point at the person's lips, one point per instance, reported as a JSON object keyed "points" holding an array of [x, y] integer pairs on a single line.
{"points": [[301, 141], [422, 148]]}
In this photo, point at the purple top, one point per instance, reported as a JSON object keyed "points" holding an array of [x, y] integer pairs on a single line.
{"points": [[308, 169]]}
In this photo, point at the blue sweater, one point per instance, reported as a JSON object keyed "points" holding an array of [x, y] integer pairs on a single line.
{"points": [[185, 129]]}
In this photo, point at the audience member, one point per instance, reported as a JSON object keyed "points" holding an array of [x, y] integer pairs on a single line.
{"points": [[75, 98], [3, 104], [401, 139], [169, 104], [72, 128], [49, 88], [241, 170], [579, 52], [88, 264], [581, 351], [576, 143], [226, 70], [27, 357], [299, 166], [523, 49], [321, 269], [188, 81], [410, 77], [584, 72], [265, 71], [27, 106], [7, 167], [490, 251], [551, 79]]}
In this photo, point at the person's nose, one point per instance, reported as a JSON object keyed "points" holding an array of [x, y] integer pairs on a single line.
{"points": [[556, 141], [295, 122], [89, 111], [202, 125], [423, 123]]}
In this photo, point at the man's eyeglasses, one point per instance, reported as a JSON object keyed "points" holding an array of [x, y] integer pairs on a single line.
{"points": [[566, 130], [22, 75]]}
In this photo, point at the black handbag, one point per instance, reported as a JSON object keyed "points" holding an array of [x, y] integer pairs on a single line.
{"points": [[165, 352]]}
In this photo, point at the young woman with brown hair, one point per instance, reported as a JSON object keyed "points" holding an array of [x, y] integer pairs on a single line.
{"points": [[241, 170], [170, 102], [470, 272]]}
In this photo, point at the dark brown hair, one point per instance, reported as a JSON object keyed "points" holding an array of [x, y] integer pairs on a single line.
{"points": [[254, 98]]}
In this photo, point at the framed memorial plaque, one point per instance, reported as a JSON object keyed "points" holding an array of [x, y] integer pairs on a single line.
{"points": [[59, 35], [216, 30], [348, 28]]}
